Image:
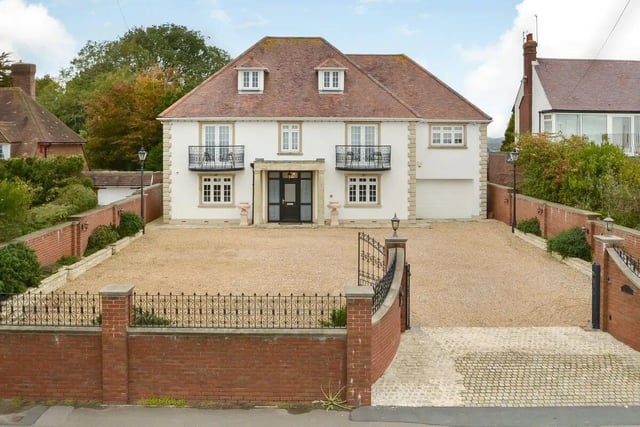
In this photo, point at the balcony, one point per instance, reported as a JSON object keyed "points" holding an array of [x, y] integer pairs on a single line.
{"points": [[363, 157], [216, 157]]}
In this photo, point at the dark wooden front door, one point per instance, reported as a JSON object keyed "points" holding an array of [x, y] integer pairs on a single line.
{"points": [[290, 195]]}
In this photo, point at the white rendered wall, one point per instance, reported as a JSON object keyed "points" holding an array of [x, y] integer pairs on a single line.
{"points": [[456, 168], [318, 139], [110, 195], [539, 102]]}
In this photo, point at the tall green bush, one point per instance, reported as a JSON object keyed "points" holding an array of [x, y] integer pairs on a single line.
{"points": [[102, 236], [15, 199], [19, 268], [570, 243], [130, 224], [577, 172], [78, 197]]}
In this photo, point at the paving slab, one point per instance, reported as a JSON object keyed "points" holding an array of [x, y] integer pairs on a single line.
{"points": [[510, 367]]}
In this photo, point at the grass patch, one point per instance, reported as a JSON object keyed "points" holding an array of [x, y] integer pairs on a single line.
{"points": [[156, 402]]}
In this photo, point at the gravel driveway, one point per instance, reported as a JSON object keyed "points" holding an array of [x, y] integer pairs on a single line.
{"points": [[463, 273]]}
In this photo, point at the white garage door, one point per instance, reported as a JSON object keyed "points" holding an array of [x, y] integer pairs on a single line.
{"points": [[444, 198]]}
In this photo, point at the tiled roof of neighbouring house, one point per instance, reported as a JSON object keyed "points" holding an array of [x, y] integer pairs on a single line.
{"points": [[26, 123], [291, 87], [590, 85]]}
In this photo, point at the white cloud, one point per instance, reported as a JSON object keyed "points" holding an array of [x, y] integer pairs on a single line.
{"points": [[566, 29], [30, 34]]}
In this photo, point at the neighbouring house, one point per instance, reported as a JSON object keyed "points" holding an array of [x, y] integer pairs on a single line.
{"points": [[596, 98], [27, 129], [293, 130]]}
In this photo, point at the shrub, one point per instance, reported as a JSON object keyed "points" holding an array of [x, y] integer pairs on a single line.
{"points": [[130, 224], [78, 197], [530, 226], [102, 236], [19, 268], [570, 243], [338, 318], [15, 198], [47, 215], [144, 317]]}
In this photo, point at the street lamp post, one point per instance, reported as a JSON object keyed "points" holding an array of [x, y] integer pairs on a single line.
{"points": [[513, 159], [142, 155]]}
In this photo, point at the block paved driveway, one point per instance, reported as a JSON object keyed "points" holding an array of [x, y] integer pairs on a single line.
{"points": [[440, 365]]}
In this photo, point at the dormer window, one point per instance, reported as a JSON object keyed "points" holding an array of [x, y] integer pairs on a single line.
{"points": [[331, 81], [250, 80]]}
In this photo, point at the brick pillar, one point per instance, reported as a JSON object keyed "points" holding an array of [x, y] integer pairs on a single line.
{"points": [[602, 257], [116, 313], [359, 302]]}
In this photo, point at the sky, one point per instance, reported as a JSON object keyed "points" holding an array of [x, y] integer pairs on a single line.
{"points": [[474, 46]]}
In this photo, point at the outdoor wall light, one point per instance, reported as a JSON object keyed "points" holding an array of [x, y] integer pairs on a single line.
{"points": [[608, 222], [395, 224], [540, 211], [84, 226], [142, 155]]}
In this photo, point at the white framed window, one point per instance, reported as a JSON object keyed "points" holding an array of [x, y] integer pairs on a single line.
{"points": [[290, 138], [250, 81], [216, 139], [5, 151], [547, 123], [363, 190], [330, 80], [216, 190], [447, 136]]}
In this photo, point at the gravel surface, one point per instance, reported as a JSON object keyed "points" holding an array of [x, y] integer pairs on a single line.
{"points": [[463, 273]]}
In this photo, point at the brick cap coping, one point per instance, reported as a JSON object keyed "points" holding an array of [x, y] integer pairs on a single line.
{"points": [[396, 240], [116, 290], [629, 274], [608, 240], [359, 292], [319, 332]]}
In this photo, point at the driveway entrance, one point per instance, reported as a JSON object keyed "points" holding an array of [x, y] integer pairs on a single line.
{"points": [[510, 367]]}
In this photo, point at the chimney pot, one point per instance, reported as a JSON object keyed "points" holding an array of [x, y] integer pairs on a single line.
{"points": [[24, 77], [529, 37]]}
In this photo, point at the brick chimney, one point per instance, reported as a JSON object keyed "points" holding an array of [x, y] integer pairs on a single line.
{"points": [[24, 76], [529, 49]]}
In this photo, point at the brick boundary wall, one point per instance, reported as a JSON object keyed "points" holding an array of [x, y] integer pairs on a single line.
{"points": [[118, 363], [555, 218], [619, 293], [70, 238]]}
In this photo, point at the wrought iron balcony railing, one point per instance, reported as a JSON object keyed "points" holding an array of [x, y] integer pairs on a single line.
{"points": [[363, 157], [216, 157]]}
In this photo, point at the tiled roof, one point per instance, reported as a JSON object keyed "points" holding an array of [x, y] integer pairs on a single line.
{"points": [[251, 63], [290, 87], [122, 178], [424, 92], [26, 123], [590, 85]]}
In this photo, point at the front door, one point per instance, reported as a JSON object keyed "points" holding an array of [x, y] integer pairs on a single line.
{"points": [[290, 192], [290, 196]]}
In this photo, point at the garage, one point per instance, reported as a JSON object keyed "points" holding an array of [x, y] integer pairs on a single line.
{"points": [[445, 199]]}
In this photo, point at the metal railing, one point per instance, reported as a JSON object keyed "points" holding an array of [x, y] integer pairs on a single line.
{"points": [[216, 157], [50, 309], [363, 157], [238, 311], [629, 261], [371, 260], [382, 286]]}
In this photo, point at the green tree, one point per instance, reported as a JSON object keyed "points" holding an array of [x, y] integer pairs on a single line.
{"points": [[5, 69], [123, 118], [174, 49], [509, 135]]}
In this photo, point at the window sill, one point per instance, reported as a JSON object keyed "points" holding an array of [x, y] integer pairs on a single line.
{"points": [[290, 153], [216, 206], [452, 146]]}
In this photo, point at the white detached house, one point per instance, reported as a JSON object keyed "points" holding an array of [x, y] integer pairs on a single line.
{"points": [[293, 128]]}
